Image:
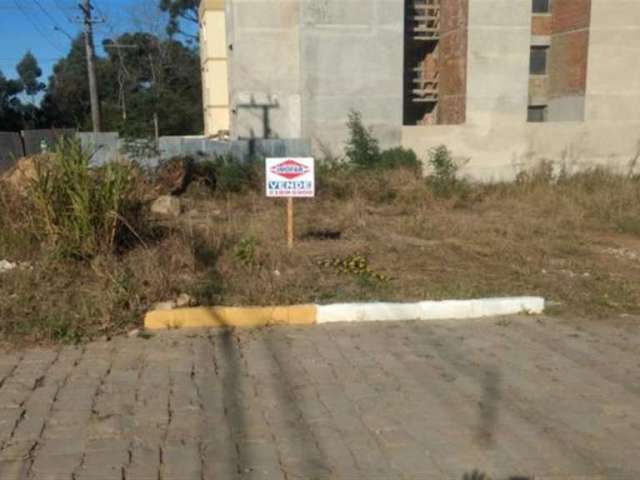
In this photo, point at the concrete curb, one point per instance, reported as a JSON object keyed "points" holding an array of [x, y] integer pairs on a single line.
{"points": [[429, 310], [345, 312], [230, 317]]}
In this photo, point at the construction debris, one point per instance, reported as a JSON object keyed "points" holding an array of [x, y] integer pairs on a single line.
{"points": [[20, 176], [185, 300], [166, 205], [6, 266]]}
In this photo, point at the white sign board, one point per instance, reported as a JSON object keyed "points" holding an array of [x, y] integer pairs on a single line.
{"points": [[290, 177]]}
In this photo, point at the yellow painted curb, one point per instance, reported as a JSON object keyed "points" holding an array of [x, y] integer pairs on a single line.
{"points": [[230, 317]]}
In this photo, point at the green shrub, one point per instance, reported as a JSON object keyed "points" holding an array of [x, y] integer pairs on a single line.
{"points": [[443, 179], [362, 148], [229, 175], [363, 151], [84, 211], [400, 157]]}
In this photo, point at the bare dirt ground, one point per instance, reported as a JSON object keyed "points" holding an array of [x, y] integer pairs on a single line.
{"points": [[513, 397]]}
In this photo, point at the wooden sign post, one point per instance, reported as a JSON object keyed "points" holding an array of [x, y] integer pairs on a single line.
{"points": [[290, 178], [290, 223]]}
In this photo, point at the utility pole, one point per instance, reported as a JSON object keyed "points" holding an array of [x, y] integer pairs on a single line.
{"points": [[86, 7]]}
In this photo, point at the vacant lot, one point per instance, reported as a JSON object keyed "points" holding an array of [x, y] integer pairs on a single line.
{"points": [[385, 233]]}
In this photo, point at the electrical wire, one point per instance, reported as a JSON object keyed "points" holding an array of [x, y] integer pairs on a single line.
{"points": [[53, 20], [38, 28]]}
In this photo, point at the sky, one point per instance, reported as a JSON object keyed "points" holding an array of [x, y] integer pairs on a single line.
{"points": [[45, 26]]}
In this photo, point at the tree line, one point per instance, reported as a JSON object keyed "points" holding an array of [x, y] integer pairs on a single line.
{"points": [[141, 77]]}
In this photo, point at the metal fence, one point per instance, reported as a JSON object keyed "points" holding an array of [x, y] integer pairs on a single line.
{"points": [[106, 146]]}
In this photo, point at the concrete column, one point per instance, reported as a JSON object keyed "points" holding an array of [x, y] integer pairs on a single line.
{"points": [[498, 61], [214, 63]]}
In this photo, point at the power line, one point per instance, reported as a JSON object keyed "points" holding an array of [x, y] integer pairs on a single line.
{"points": [[37, 27], [62, 11], [53, 20]]}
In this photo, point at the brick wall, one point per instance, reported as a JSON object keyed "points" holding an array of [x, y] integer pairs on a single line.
{"points": [[541, 25], [568, 56], [453, 61], [570, 15]]}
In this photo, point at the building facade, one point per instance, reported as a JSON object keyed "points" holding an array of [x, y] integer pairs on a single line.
{"points": [[503, 83]]}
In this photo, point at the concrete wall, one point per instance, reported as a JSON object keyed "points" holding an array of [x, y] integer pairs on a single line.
{"points": [[264, 67], [33, 139], [352, 58], [498, 61], [613, 76], [298, 66], [496, 142], [10, 148]]}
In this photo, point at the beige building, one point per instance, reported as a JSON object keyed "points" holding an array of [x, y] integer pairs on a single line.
{"points": [[502, 83]]}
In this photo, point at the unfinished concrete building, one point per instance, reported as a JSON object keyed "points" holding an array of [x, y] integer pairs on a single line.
{"points": [[503, 83]]}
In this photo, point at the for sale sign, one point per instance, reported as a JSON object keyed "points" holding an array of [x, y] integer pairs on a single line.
{"points": [[290, 177]]}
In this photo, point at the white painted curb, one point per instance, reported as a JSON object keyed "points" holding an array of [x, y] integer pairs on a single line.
{"points": [[367, 312], [429, 310]]}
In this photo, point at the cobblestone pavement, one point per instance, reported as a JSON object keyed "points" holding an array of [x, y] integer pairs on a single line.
{"points": [[515, 398]]}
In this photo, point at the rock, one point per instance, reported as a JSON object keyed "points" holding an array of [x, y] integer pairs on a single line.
{"points": [[185, 300], [6, 266], [168, 305], [166, 205], [134, 333]]}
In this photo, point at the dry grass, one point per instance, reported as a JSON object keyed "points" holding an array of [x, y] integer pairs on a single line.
{"points": [[574, 240]]}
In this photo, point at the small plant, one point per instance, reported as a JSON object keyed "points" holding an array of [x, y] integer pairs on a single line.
{"points": [[541, 174], [245, 252], [443, 179], [362, 148], [356, 264]]}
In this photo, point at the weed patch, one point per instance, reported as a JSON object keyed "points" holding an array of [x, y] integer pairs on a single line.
{"points": [[81, 211]]}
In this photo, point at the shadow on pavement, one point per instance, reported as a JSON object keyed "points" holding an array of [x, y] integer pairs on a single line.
{"points": [[478, 475], [488, 408], [233, 405], [305, 459]]}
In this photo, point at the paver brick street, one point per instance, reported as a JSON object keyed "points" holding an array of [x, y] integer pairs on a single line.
{"points": [[515, 398]]}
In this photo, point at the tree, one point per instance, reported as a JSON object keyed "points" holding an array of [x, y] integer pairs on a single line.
{"points": [[66, 101], [179, 11], [157, 78], [142, 77], [29, 73], [10, 106]]}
